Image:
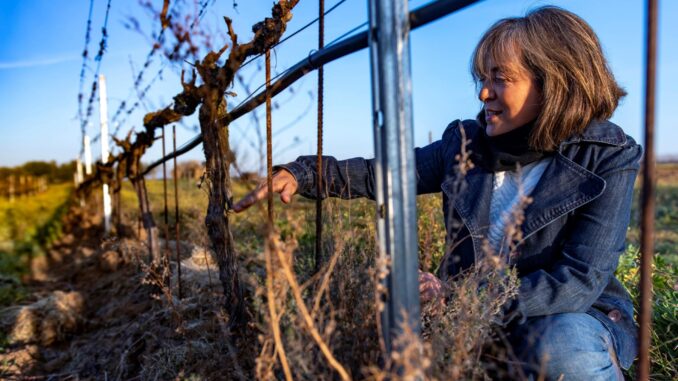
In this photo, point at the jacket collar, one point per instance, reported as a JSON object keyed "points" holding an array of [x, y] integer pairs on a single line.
{"points": [[564, 186], [599, 131]]}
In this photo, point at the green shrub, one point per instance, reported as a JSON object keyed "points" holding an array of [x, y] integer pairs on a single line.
{"points": [[664, 348]]}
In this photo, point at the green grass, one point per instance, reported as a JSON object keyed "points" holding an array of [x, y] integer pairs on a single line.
{"points": [[27, 225], [664, 349], [666, 223], [664, 355]]}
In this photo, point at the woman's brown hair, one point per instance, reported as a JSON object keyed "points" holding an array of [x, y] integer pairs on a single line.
{"points": [[565, 58]]}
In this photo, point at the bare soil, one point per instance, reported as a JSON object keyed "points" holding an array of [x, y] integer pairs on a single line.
{"points": [[96, 311]]}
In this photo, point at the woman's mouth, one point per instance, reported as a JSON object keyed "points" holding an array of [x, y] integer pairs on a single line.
{"points": [[491, 114]]}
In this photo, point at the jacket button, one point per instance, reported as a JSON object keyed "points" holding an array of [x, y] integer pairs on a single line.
{"points": [[614, 315]]}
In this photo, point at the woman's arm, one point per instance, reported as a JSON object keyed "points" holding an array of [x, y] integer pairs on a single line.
{"points": [[350, 178], [356, 177], [346, 179]]}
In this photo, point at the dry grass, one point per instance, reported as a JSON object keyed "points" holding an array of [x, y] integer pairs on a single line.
{"points": [[323, 326]]}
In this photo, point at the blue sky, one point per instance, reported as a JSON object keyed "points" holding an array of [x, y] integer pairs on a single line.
{"points": [[41, 42]]}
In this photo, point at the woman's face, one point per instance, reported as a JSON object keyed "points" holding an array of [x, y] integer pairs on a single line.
{"points": [[510, 96]]}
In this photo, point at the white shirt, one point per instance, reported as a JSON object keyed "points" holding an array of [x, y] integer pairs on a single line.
{"points": [[508, 189]]}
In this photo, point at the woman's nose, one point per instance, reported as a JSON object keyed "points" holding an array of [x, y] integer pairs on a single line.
{"points": [[486, 93]]}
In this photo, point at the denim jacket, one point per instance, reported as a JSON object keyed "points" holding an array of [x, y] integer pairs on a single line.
{"points": [[573, 231]]}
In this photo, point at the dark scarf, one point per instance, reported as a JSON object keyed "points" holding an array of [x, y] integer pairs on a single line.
{"points": [[504, 152]]}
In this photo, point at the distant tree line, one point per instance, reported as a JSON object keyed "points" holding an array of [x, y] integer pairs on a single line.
{"points": [[50, 170]]}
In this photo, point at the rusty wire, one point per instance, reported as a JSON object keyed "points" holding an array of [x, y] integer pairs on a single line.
{"points": [[269, 142], [318, 189], [176, 215]]}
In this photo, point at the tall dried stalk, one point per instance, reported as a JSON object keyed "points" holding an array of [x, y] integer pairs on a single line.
{"points": [[305, 315], [272, 300]]}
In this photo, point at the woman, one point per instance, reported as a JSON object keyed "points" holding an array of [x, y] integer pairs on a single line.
{"points": [[547, 93]]}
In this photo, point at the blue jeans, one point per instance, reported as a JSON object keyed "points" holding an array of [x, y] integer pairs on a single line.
{"points": [[574, 345]]}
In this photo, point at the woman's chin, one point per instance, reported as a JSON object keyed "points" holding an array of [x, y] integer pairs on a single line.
{"points": [[492, 130]]}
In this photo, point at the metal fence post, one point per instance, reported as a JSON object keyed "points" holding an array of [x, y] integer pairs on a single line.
{"points": [[395, 167]]}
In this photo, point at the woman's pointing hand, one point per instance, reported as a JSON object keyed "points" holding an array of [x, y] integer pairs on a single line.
{"points": [[283, 183]]}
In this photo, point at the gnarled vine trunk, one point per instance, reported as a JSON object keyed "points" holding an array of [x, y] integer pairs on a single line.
{"points": [[218, 157]]}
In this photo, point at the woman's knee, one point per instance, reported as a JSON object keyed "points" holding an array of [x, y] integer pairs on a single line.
{"points": [[575, 345]]}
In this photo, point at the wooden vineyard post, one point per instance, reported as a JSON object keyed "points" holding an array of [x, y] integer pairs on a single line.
{"points": [[176, 213], [165, 216], [147, 220], [132, 167], [117, 202]]}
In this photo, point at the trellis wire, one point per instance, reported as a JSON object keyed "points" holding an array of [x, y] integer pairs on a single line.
{"points": [[201, 13], [322, 14], [155, 47], [85, 54], [418, 18], [157, 44], [335, 6], [98, 58]]}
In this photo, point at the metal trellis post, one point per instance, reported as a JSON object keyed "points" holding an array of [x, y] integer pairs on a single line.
{"points": [[395, 167], [647, 198]]}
